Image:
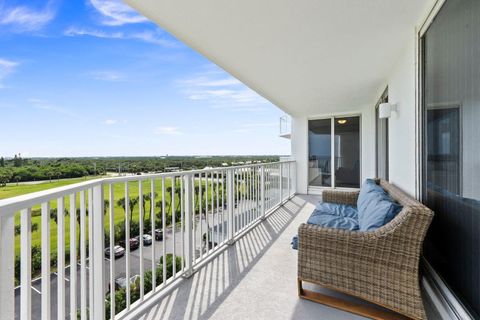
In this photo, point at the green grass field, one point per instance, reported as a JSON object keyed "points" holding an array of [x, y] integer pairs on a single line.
{"points": [[119, 212]]}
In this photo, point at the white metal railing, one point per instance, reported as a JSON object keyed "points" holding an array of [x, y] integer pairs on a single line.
{"points": [[191, 215]]}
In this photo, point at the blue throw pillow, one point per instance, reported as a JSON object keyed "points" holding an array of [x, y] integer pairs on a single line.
{"points": [[375, 207], [367, 188]]}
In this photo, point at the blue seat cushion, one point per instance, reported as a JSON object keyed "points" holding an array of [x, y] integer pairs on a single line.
{"points": [[332, 215], [294, 243], [343, 210], [375, 207]]}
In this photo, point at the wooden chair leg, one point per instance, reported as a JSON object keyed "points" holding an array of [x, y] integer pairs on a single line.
{"points": [[364, 310], [300, 287]]}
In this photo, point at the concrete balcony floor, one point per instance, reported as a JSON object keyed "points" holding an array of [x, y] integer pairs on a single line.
{"points": [[253, 279]]}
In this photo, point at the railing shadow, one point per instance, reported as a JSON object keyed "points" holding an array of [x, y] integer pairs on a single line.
{"points": [[201, 295]]}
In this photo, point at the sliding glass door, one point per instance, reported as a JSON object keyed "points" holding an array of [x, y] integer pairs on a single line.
{"points": [[320, 153], [451, 146], [334, 152]]}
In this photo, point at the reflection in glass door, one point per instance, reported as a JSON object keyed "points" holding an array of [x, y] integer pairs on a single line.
{"points": [[338, 166], [320, 152], [451, 146], [347, 152]]}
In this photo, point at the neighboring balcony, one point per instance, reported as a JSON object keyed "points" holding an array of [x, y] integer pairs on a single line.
{"points": [[285, 127], [150, 234]]}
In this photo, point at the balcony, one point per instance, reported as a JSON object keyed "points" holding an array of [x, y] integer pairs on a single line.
{"points": [[285, 127], [231, 237], [234, 215]]}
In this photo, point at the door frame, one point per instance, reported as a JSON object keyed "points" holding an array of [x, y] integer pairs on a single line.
{"points": [[383, 98]]}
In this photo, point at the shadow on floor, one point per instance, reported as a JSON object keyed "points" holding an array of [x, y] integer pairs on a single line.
{"points": [[201, 295]]}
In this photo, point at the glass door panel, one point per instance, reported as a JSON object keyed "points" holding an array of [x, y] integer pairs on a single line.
{"points": [[320, 152], [451, 146], [347, 152]]}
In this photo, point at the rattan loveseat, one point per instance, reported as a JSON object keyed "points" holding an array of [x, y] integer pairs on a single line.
{"points": [[380, 266]]}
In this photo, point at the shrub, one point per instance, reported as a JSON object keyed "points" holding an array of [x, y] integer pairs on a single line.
{"points": [[121, 295]]}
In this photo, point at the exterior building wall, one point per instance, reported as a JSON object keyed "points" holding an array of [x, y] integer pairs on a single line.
{"points": [[402, 124]]}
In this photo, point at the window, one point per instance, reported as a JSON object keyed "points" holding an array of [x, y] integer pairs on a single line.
{"points": [[343, 133], [451, 146]]}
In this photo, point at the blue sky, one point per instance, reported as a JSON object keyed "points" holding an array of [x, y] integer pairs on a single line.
{"points": [[94, 78]]}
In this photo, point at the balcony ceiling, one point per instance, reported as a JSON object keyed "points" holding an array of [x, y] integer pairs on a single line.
{"points": [[307, 57]]}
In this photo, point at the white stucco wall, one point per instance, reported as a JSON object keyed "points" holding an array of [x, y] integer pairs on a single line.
{"points": [[402, 124], [299, 151]]}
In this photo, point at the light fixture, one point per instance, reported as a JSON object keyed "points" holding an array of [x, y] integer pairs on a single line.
{"points": [[342, 121], [385, 110]]}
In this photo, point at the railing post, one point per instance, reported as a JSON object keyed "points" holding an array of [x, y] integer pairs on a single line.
{"points": [[26, 264], [61, 258], [230, 206], [98, 245], [281, 183], [288, 180], [188, 226], [7, 273], [46, 276], [262, 191], [294, 178]]}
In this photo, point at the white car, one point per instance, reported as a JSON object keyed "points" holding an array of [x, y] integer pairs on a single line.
{"points": [[147, 239], [118, 252]]}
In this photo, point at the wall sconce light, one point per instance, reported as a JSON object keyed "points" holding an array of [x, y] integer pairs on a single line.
{"points": [[386, 109], [342, 121]]}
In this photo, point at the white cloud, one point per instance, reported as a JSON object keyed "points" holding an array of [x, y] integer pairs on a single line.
{"points": [[42, 105], [145, 36], [254, 127], [110, 122], [111, 76], [204, 81], [7, 67], [23, 18], [242, 130], [167, 130], [219, 90], [73, 31], [115, 13]]}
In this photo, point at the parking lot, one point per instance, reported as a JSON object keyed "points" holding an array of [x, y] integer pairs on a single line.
{"points": [[120, 270]]}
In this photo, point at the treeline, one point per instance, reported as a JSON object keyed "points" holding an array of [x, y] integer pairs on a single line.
{"points": [[18, 169], [35, 172]]}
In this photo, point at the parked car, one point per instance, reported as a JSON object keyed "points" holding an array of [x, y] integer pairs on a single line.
{"points": [[158, 235], [118, 252], [134, 244], [147, 239]]}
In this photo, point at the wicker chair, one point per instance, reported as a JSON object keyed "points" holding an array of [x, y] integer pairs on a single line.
{"points": [[380, 266]]}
